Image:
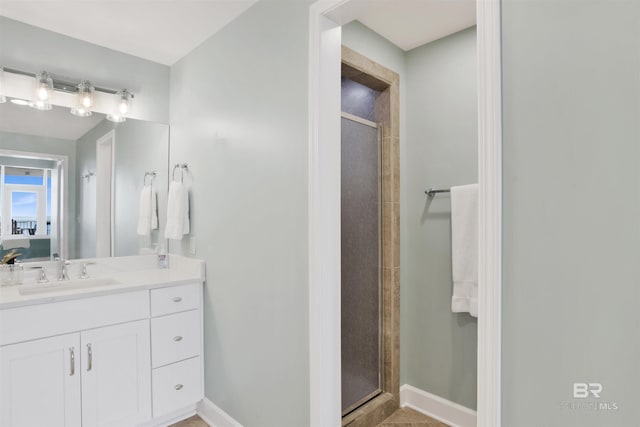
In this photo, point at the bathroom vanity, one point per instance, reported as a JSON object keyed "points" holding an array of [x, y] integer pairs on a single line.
{"points": [[126, 351]]}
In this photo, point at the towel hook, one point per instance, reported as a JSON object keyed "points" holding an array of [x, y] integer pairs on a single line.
{"points": [[88, 175], [182, 167], [152, 174]]}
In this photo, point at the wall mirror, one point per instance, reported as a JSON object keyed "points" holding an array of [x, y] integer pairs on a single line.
{"points": [[71, 185]]}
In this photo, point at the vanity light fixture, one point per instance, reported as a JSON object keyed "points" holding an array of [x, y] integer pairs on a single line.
{"points": [[85, 99], [43, 92], [85, 93], [3, 88], [122, 106]]}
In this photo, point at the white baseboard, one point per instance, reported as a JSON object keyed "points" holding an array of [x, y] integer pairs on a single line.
{"points": [[441, 409], [214, 416]]}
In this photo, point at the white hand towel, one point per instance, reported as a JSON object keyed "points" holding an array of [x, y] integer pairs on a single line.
{"points": [[154, 209], [464, 248], [147, 211], [177, 211]]}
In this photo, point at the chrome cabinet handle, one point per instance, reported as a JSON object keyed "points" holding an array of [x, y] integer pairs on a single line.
{"points": [[89, 358], [72, 360], [178, 386], [177, 338], [177, 299]]}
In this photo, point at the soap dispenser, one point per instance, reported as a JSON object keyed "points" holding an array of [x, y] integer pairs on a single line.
{"points": [[163, 258]]}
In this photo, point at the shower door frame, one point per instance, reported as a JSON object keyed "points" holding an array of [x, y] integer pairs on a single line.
{"points": [[367, 72], [324, 208]]}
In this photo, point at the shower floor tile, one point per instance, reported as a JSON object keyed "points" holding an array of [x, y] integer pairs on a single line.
{"points": [[407, 417]]}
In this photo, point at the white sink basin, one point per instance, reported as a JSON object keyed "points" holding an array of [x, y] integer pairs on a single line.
{"points": [[64, 285]]}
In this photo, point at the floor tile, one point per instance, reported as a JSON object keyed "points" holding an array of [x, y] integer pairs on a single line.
{"points": [[407, 417], [194, 421]]}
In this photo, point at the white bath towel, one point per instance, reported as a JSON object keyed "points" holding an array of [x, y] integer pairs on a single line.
{"points": [[464, 248], [147, 211], [15, 242], [177, 211]]}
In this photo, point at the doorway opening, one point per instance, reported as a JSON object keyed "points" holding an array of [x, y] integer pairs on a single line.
{"points": [[326, 18]]}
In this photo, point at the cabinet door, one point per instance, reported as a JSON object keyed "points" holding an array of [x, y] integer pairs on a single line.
{"points": [[40, 383], [116, 375]]}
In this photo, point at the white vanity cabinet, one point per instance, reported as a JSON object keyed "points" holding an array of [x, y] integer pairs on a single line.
{"points": [[102, 360], [104, 371], [115, 372], [40, 383]]}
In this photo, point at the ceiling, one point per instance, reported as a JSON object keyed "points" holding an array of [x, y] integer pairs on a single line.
{"points": [[412, 23], [164, 31], [158, 30], [56, 123]]}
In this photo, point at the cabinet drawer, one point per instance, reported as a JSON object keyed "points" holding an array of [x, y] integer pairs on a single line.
{"points": [[174, 299], [44, 320], [175, 337], [176, 386]]}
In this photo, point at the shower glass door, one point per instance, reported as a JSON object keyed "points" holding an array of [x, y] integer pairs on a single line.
{"points": [[361, 244]]}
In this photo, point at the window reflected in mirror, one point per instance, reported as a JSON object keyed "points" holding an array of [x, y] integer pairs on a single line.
{"points": [[27, 206]]}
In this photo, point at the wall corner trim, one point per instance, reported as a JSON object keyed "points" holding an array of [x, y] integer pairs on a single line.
{"points": [[324, 216], [441, 409], [214, 415], [490, 212]]}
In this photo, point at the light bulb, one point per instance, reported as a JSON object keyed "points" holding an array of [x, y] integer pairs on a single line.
{"points": [[43, 92], [84, 100], [122, 106]]}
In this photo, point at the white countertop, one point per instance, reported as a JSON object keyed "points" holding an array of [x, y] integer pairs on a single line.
{"points": [[132, 274]]}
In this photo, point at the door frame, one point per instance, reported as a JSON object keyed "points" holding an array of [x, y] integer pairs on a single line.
{"points": [[324, 209], [107, 142]]}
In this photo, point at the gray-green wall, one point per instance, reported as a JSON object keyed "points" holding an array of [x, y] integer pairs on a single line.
{"points": [[46, 145], [438, 347], [438, 147], [239, 119], [571, 76]]}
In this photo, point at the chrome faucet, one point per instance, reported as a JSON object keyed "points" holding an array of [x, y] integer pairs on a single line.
{"points": [[62, 269], [84, 274], [42, 274]]}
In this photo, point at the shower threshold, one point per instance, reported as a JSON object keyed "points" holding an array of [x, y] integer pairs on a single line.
{"points": [[361, 402]]}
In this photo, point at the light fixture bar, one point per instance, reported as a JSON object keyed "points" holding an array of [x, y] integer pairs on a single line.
{"points": [[61, 85]]}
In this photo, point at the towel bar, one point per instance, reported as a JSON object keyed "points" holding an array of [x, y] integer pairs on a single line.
{"points": [[432, 192]]}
